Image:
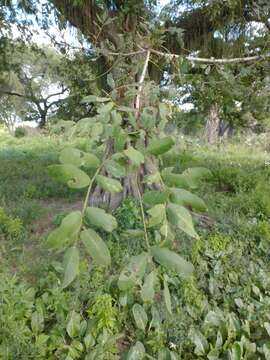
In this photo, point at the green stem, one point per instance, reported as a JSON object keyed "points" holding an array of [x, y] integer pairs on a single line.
{"points": [[86, 200]]}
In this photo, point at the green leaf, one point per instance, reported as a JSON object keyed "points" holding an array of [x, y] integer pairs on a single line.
{"points": [[160, 146], [136, 352], [134, 155], [70, 175], [90, 161], [78, 158], [148, 288], [164, 110], [133, 272], [105, 109], [171, 179], [120, 140], [96, 130], [236, 351], [140, 316], [153, 178], [167, 232], [167, 296], [266, 350], [73, 325], [108, 184], [115, 169], [267, 327], [157, 213], [164, 354], [133, 233], [71, 156], [172, 261], [126, 109], [89, 341], [110, 81], [98, 217], [155, 321], [187, 199], [155, 197], [180, 217], [67, 231], [96, 247], [71, 265], [93, 98], [213, 355], [174, 355], [200, 342], [37, 321], [194, 175]]}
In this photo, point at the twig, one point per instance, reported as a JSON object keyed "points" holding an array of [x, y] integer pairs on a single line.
{"points": [[127, 54]]}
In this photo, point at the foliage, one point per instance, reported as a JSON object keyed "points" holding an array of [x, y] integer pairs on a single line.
{"points": [[20, 131], [32, 82], [138, 278], [151, 303], [218, 289], [11, 228]]}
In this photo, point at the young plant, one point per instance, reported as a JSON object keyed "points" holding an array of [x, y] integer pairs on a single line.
{"points": [[164, 209]]}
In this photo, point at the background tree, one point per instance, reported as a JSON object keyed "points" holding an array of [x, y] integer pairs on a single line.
{"points": [[218, 30], [36, 76]]}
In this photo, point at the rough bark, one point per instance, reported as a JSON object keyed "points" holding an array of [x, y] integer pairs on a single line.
{"points": [[212, 125], [225, 130]]}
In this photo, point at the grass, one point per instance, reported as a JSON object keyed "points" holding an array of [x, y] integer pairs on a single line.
{"points": [[238, 193], [27, 193], [231, 257]]}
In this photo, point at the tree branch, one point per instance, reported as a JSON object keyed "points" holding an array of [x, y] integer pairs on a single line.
{"points": [[56, 102], [58, 93], [12, 93], [212, 60], [195, 59], [142, 77]]}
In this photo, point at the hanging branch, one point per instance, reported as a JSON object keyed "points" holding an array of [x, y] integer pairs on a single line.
{"points": [[212, 60], [142, 77], [195, 59]]}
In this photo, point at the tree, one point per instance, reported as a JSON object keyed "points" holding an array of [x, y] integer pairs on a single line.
{"points": [[221, 92], [122, 32], [129, 41], [8, 115], [126, 141], [36, 77]]}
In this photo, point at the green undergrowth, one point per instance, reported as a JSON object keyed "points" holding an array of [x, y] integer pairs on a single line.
{"points": [[222, 312]]}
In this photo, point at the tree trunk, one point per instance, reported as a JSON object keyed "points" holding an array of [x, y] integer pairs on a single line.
{"points": [[212, 125], [225, 130], [43, 120], [133, 185]]}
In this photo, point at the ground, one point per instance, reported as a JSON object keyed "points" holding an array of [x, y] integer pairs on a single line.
{"points": [[231, 285]]}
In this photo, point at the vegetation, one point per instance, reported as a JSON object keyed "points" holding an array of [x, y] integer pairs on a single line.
{"points": [[122, 238], [221, 295]]}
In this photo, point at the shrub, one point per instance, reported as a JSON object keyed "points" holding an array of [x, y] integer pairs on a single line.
{"points": [[10, 227], [20, 132]]}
